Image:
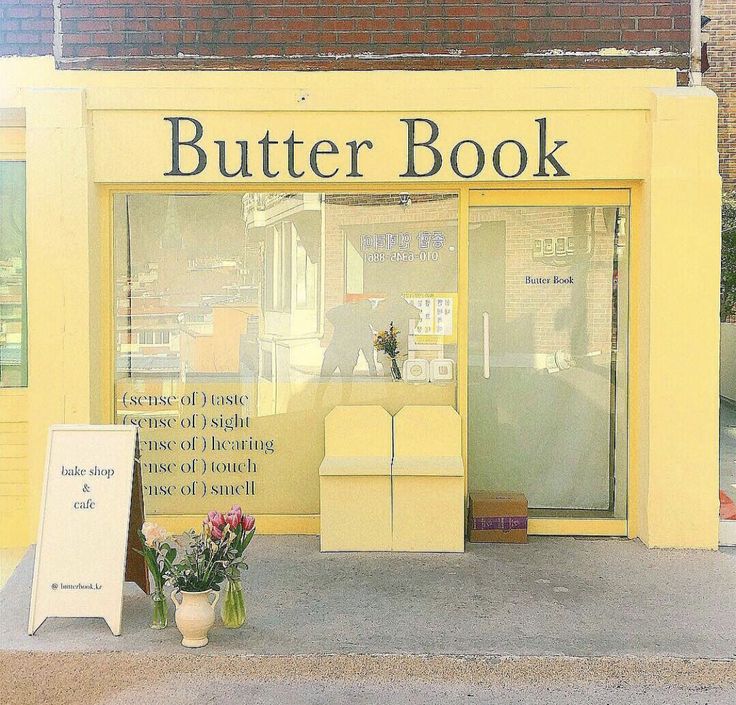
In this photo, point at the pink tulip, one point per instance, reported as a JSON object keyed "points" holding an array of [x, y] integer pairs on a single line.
{"points": [[248, 522], [216, 519], [234, 517], [215, 524]]}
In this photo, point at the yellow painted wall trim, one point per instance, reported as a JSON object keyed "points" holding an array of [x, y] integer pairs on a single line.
{"points": [[550, 197], [268, 524], [308, 524], [577, 527], [279, 90], [680, 246]]}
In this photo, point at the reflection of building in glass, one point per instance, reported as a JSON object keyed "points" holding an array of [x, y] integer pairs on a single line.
{"points": [[283, 287], [275, 299], [284, 235], [383, 252], [544, 318], [278, 297], [543, 364], [185, 270]]}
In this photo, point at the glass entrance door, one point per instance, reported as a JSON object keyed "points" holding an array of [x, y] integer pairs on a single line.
{"points": [[547, 350]]}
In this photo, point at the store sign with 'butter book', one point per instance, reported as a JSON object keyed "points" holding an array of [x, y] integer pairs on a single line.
{"points": [[84, 527]]}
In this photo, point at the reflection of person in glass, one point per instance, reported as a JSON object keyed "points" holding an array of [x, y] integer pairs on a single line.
{"points": [[352, 334]]}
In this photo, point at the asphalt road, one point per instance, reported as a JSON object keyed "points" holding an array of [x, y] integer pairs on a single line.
{"points": [[198, 679]]}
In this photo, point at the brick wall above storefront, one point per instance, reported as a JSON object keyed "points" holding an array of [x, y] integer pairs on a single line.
{"points": [[721, 78], [26, 27], [335, 34]]}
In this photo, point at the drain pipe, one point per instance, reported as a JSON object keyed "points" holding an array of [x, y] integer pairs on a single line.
{"points": [[696, 13]]}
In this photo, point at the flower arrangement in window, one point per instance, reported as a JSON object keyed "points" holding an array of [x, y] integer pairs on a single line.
{"points": [[386, 341]]}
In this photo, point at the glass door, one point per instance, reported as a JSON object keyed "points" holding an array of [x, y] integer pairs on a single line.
{"points": [[547, 350]]}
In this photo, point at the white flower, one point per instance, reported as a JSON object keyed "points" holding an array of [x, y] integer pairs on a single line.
{"points": [[153, 533]]}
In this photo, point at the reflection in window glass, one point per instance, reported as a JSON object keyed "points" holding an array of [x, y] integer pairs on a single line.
{"points": [[242, 319], [13, 336], [547, 354]]}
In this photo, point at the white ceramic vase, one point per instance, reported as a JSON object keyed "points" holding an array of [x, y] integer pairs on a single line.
{"points": [[195, 615]]}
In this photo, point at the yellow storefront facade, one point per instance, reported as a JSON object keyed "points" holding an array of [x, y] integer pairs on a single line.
{"points": [[209, 254]]}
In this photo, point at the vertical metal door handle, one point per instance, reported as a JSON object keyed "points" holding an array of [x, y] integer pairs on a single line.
{"points": [[486, 345]]}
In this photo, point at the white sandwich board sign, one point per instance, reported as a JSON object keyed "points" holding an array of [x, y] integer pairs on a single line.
{"points": [[83, 528]]}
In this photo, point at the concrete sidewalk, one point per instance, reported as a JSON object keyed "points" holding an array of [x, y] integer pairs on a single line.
{"points": [[581, 622], [552, 597]]}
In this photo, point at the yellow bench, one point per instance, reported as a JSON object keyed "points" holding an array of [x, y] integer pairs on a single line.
{"points": [[428, 480], [355, 480]]}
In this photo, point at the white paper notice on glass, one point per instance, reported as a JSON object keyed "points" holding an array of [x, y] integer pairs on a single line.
{"points": [[83, 528]]}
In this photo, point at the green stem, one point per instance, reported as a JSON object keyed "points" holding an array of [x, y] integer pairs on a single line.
{"points": [[160, 618], [233, 605]]}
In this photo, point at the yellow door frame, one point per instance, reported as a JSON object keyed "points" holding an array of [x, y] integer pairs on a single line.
{"points": [[570, 195]]}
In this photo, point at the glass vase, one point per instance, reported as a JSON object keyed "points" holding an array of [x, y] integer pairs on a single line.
{"points": [[232, 607], [160, 618], [395, 370]]}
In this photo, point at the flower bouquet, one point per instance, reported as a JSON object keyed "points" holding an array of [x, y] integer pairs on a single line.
{"points": [[386, 341], [232, 532], [159, 555], [198, 566]]}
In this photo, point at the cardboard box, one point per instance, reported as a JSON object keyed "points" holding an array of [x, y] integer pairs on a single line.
{"points": [[497, 517]]}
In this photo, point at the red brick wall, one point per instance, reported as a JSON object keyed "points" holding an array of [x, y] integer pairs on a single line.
{"points": [[721, 77], [368, 34], [26, 27]]}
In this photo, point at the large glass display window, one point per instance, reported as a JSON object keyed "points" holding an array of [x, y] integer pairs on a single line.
{"points": [[242, 319]]}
